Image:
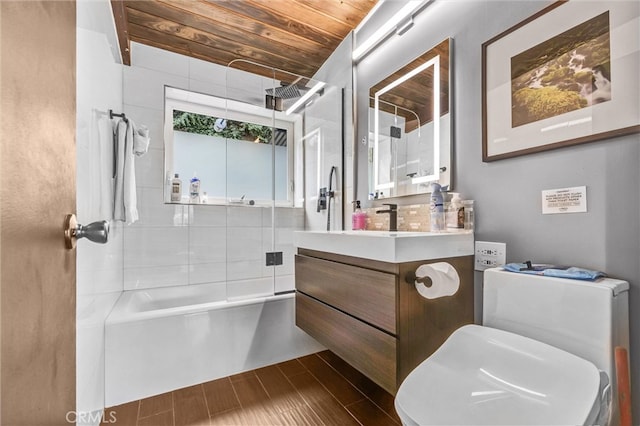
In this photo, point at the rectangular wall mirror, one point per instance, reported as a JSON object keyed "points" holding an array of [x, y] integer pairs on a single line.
{"points": [[410, 126]]}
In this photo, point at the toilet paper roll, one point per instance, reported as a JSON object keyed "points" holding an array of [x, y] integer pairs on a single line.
{"points": [[445, 280]]}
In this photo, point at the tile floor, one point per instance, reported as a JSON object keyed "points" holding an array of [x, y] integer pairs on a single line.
{"points": [[319, 389]]}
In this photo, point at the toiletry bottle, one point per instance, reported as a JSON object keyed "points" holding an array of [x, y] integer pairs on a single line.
{"points": [[176, 189], [455, 212], [362, 218], [194, 190], [358, 218], [205, 198], [437, 209], [469, 217]]}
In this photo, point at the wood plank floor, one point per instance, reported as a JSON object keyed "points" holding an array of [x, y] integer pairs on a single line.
{"points": [[319, 389]]}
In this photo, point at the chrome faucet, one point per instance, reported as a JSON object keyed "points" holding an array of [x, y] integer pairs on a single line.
{"points": [[393, 216]]}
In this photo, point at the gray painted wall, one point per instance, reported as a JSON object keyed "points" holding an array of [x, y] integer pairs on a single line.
{"points": [[507, 192]]}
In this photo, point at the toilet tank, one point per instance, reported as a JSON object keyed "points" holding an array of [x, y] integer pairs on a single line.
{"points": [[588, 319]]}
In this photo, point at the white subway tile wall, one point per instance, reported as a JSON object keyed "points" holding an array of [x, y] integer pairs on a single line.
{"points": [[182, 245], [99, 279]]}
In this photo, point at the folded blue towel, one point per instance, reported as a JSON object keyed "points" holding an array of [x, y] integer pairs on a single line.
{"points": [[555, 271]]}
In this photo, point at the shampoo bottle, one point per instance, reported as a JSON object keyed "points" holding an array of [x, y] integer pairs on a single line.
{"points": [[358, 218], [194, 190], [437, 209], [176, 189]]}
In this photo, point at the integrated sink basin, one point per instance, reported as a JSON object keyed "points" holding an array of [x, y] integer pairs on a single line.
{"points": [[385, 246]]}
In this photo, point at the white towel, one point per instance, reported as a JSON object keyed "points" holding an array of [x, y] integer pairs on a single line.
{"points": [[140, 139], [125, 203], [104, 168]]}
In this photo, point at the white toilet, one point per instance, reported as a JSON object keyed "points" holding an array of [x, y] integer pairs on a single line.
{"points": [[544, 356]]}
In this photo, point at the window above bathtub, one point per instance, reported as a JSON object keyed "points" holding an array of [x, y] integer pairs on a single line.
{"points": [[241, 153]]}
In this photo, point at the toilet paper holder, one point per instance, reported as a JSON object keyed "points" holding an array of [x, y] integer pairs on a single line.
{"points": [[411, 278], [434, 280]]}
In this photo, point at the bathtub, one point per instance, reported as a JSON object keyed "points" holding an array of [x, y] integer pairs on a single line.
{"points": [[164, 339]]}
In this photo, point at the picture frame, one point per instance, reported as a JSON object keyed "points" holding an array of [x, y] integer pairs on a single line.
{"points": [[566, 75]]}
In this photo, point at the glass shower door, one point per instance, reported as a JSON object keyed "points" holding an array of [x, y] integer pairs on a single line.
{"points": [[250, 157], [272, 113]]}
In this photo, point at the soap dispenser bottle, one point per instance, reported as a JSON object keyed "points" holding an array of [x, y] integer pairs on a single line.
{"points": [[436, 208], [358, 218]]}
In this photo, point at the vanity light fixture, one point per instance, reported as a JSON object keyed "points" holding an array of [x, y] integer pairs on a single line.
{"points": [[404, 26], [319, 85], [406, 11]]}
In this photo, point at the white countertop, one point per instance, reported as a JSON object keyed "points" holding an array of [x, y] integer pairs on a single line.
{"points": [[394, 247]]}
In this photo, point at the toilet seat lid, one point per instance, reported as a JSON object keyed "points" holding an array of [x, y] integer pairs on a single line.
{"points": [[486, 376]]}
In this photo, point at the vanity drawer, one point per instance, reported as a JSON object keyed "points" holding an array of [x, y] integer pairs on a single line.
{"points": [[366, 294], [369, 350]]}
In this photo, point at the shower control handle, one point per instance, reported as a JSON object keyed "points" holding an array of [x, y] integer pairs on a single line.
{"points": [[98, 232], [322, 200]]}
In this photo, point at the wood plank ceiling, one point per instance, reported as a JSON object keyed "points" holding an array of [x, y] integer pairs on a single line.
{"points": [[292, 35]]}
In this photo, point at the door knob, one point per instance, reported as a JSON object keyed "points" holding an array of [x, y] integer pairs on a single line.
{"points": [[98, 232]]}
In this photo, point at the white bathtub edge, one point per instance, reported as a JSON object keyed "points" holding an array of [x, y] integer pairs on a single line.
{"points": [[158, 355], [118, 317]]}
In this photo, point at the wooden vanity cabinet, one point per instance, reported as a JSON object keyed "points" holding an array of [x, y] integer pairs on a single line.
{"points": [[366, 312]]}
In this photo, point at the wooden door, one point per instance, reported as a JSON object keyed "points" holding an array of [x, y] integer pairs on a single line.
{"points": [[37, 189]]}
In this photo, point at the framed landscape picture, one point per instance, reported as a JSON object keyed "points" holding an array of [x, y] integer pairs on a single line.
{"points": [[569, 74]]}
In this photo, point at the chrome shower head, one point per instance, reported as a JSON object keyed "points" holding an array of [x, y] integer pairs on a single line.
{"points": [[285, 92]]}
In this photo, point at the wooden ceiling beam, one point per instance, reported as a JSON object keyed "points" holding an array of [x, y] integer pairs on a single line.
{"points": [[122, 30], [336, 10], [293, 35], [220, 48], [242, 47], [188, 47], [240, 24], [278, 14]]}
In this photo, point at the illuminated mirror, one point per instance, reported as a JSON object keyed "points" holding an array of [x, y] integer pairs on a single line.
{"points": [[410, 126]]}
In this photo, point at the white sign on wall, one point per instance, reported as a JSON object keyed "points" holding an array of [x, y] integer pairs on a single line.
{"points": [[564, 200]]}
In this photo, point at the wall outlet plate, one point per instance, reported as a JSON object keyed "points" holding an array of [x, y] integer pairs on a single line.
{"points": [[489, 255]]}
